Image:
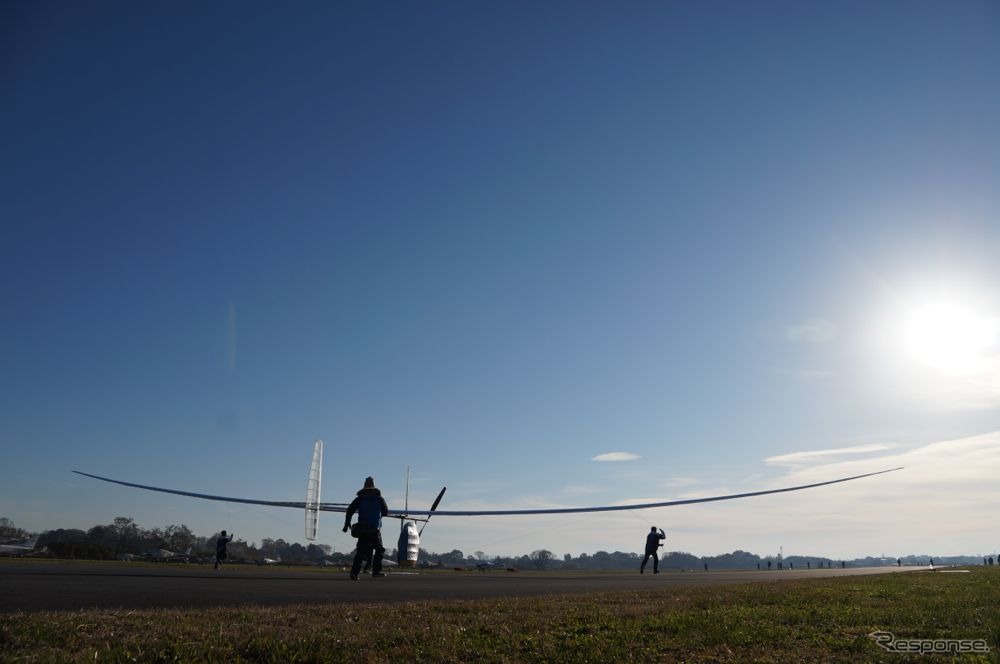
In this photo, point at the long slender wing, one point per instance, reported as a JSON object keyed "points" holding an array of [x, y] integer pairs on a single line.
{"points": [[341, 507], [644, 506], [327, 507]]}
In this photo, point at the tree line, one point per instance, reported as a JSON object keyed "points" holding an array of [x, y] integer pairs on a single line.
{"points": [[123, 537]]}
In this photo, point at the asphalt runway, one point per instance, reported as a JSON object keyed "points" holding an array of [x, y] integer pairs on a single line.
{"points": [[38, 585]]}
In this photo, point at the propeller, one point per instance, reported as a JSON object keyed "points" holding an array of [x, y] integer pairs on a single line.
{"points": [[434, 506]]}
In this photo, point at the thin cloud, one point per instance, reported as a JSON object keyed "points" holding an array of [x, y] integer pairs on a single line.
{"points": [[812, 331], [796, 458], [679, 482], [616, 456], [582, 489]]}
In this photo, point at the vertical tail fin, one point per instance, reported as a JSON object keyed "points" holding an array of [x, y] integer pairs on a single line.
{"points": [[313, 491]]}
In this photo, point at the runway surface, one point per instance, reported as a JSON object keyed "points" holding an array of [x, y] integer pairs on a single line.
{"points": [[65, 585]]}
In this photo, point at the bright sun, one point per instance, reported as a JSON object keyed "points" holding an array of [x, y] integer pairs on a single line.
{"points": [[949, 336]]}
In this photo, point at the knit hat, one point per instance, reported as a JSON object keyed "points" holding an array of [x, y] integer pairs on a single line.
{"points": [[369, 483]]}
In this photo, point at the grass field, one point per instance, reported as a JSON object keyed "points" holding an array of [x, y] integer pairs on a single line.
{"points": [[793, 621]]}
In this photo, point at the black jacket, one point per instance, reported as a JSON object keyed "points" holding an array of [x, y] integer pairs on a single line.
{"points": [[370, 506], [653, 541]]}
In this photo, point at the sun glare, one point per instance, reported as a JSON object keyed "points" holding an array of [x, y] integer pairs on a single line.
{"points": [[949, 336]]}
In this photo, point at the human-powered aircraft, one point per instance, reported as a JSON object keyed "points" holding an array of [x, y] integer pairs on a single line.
{"points": [[409, 538]]}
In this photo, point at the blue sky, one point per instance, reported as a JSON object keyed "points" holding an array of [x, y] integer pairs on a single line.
{"points": [[493, 241]]}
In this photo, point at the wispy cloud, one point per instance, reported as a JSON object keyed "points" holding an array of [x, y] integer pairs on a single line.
{"points": [[812, 331], [678, 482], [615, 456], [582, 489], [812, 456], [970, 388]]}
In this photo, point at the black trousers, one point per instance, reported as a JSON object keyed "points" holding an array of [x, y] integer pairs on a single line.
{"points": [[656, 561], [369, 544]]}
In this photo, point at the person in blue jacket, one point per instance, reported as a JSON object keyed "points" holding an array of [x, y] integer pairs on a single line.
{"points": [[370, 507]]}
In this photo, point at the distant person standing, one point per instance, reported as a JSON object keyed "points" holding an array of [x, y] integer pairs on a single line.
{"points": [[371, 507], [654, 540], [220, 548]]}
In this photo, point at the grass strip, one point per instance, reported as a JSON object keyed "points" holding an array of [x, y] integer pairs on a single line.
{"points": [[792, 621]]}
